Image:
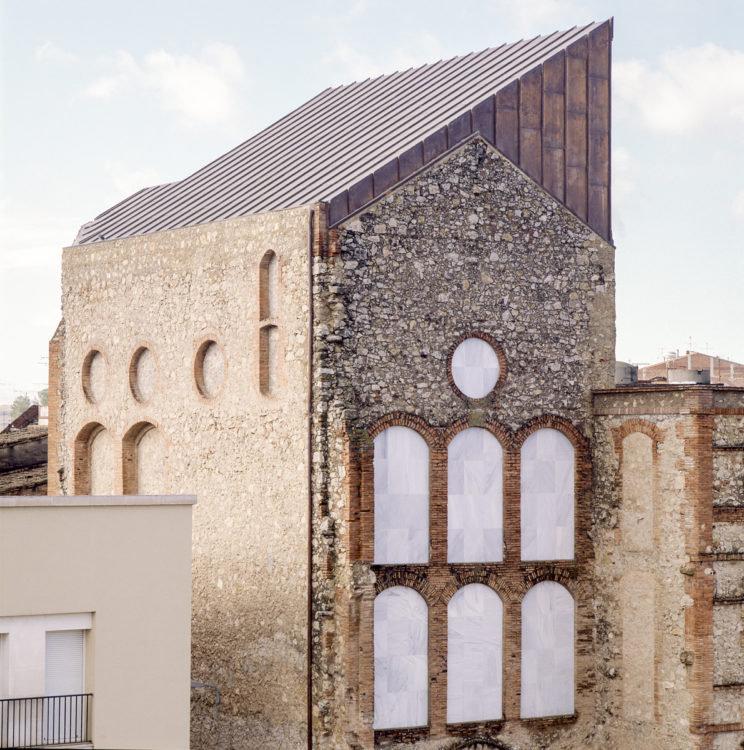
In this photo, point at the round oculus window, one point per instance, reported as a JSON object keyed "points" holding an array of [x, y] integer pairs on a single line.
{"points": [[475, 367]]}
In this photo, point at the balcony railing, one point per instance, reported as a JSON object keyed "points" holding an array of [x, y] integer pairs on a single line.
{"points": [[39, 722]]}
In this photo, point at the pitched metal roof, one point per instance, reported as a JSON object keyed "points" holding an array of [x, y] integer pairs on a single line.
{"points": [[329, 143]]}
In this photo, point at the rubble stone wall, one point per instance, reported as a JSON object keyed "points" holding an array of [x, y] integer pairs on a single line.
{"points": [[469, 245], [244, 454]]}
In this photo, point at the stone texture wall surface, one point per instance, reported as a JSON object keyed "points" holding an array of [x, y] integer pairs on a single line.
{"points": [[242, 453], [697, 566], [468, 245]]}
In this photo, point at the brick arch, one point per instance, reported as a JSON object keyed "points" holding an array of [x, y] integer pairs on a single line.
{"points": [[408, 579], [501, 432], [81, 453], [494, 582], [542, 573], [404, 419], [478, 743], [503, 365], [637, 425], [554, 422], [129, 442]]}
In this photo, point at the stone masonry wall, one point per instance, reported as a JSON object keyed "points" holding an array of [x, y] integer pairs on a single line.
{"points": [[244, 454], [693, 573], [470, 244]]}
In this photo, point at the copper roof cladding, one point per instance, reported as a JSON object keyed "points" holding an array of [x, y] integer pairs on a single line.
{"points": [[544, 103]]}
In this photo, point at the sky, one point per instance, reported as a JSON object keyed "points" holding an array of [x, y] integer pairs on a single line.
{"points": [[100, 98]]}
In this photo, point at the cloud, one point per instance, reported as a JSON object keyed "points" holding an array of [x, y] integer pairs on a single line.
{"points": [[529, 19], [127, 180], [622, 171], [50, 52], [737, 205], [203, 90], [348, 63], [691, 89]]}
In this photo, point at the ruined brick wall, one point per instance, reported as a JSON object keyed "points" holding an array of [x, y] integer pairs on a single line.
{"points": [[469, 245], [242, 452], [668, 540]]}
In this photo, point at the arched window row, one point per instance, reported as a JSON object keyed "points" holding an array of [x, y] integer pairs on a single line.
{"points": [[475, 647], [475, 505], [142, 456], [209, 366]]}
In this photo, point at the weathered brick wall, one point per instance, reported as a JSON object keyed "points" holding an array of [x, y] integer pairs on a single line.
{"points": [[468, 245], [693, 573], [244, 454]]}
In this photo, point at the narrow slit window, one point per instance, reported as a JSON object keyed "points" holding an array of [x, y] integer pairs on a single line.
{"points": [[269, 360]]}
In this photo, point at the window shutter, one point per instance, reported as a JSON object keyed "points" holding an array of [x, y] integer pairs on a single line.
{"points": [[64, 662]]}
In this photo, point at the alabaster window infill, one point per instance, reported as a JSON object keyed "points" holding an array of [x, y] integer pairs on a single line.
{"points": [[102, 463], [475, 367], [475, 617], [143, 374], [474, 497], [209, 369], [150, 460], [401, 659], [401, 470], [94, 376], [547, 488], [547, 651]]}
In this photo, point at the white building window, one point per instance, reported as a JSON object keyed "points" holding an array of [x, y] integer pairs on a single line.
{"points": [[547, 651], [64, 662], [401, 468], [401, 624], [474, 647], [474, 497], [547, 505]]}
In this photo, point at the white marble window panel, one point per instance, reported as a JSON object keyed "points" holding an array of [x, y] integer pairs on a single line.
{"points": [[401, 466], [475, 616], [547, 506], [547, 651], [401, 659], [475, 497], [475, 367]]}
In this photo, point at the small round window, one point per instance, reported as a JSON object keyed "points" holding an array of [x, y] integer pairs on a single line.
{"points": [[94, 376], [143, 374], [209, 369], [475, 367]]}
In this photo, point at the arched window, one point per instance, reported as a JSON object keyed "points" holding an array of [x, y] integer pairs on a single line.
{"points": [[474, 497], [401, 467], [102, 462], [474, 654], [268, 286], [547, 651], [547, 506], [401, 659], [268, 313], [95, 461], [145, 457]]}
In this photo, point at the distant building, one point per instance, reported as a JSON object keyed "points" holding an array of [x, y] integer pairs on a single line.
{"points": [[95, 600], [23, 453], [378, 340], [5, 418], [722, 371]]}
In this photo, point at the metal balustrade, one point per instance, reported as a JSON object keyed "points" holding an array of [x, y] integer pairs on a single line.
{"points": [[46, 721]]}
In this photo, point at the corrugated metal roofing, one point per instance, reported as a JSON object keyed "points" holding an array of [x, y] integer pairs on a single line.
{"points": [[328, 143]]}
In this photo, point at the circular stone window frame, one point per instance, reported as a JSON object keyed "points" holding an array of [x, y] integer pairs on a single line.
{"points": [[503, 366], [85, 374], [197, 370], [133, 359]]}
